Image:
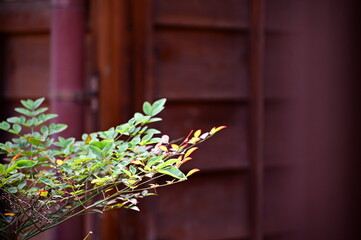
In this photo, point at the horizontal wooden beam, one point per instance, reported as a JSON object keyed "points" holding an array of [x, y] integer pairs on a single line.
{"points": [[22, 17]]}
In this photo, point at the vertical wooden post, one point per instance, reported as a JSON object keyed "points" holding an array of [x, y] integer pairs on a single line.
{"points": [[110, 27], [256, 117], [67, 61], [142, 48], [67, 80]]}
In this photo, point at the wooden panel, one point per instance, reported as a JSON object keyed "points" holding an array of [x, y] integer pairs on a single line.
{"points": [[202, 13], [277, 134], [279, 195], [27, 66], [279, 62], [281, 14], [226, 151], [211, 206], [25, 16], [201, 65]]}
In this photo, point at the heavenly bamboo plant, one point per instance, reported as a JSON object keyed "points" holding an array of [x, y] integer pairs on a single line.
{"points": [[46, 179]]}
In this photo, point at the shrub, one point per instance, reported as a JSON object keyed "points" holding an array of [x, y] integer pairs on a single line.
{"points": [[47, 179]]}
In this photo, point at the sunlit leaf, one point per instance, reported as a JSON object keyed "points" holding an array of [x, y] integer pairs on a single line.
{"points": [[192, 171], [197, 133], [216, 129], [190, 151], [173, 172], [147, 108], [158, 106], [38, 102], [43, 193], [24, 111]]}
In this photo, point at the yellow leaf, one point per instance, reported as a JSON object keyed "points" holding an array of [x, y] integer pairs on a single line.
{"points": [[197, 133], [163, 148], [44, 193], [190, 151], [88, 139], [137, 162], [194, 140], [59, 162], [9, 214], [216, 129], [192, 171], [186, 160], [175, 146]]}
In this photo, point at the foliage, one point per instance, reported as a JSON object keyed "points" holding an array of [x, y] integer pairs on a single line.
{"points": [[48, 179]]}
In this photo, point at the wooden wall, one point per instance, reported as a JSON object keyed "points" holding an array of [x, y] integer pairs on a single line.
{"points": [[218, 63]]}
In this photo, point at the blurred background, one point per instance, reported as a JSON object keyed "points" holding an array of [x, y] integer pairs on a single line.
{"points": [[280, 74]]}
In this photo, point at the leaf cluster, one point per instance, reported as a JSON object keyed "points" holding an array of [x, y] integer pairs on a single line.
{"points": [[47, 179]]}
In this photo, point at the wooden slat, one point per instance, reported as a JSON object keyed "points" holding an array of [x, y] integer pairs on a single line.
{"points": [[201, 65], [276, 134], [209, 206], [25, 16], [112, 63], [226, 151], [280, 15], [225, 14], [142, 47], [257, 117], [109, 21], [279, 65], [26, 70], [279, 200]]}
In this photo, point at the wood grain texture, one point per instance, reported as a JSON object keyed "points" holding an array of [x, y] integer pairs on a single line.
{"points": [[226, 14], [209, 206], [26, 70], [201, 65], [25, 16], [229, 150]]}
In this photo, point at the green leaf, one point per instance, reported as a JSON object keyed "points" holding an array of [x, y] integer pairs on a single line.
{"points": [[2, 168], [44, 130], [154, 160], [34, 141], [13, 120], [45, 117], [96, 151], [29, 104], [135, 140], [173, 172], [158, 106], [47, 181], [12, 189], [24, 112], [153, 131], [167, 163], [156, 119], [5, 126], [56, 128], [38, 102], [40, 110], [25, 164], [22, 184], [16, 128], [147, 108], [146, 138]]}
